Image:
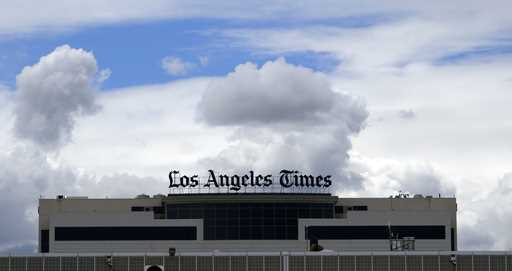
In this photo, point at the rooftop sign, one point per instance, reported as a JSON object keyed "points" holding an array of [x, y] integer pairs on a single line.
{"points": [[285, 180]]}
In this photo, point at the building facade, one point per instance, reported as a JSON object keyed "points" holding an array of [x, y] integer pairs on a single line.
{"points": [[270, 222]]}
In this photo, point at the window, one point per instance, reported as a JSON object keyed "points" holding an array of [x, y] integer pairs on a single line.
{"points": [[374, 232], [358, 208], [250, 221], [338, 209], [45, 241], [124, 233]]}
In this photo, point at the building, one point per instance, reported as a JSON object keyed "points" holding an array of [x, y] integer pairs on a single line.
{"points": [[246, 222]]}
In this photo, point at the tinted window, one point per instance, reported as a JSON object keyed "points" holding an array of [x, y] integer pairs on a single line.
{"points": [[45, 241], [374, 232], [250, 221], [124, 233]]}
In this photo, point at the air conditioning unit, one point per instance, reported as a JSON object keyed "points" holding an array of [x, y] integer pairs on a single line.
{"points": [[154, 268]]}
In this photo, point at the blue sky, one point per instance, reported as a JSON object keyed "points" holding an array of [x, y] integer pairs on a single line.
{"points": [[133, 51]]}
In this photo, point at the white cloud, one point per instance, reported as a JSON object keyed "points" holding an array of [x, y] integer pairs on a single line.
{"points": [[15, 17], [148, 130], [406, 114], [277, 92], [460, 143], [492, 212], [104, 75], [51, 93], [385, 177], [176, 66], [286, 117]]}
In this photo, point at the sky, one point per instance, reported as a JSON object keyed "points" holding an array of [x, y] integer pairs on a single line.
{"points": [[102, 99]]}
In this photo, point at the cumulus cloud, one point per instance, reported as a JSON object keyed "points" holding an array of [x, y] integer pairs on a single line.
{"points": [[492, 212], [176, 66], [26, 173], [286, 116], [277, 92], [384, 177], [52, 93]]}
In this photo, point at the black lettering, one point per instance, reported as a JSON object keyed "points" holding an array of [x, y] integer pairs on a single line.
{"points": [[211, 179], [327, 181], [245, 178], [284, 179], [184, 181], [235, 183], [172, 176], [319, 180], [223, 180], [268, 180], [259, 178], [194, 181], [307, 180]]}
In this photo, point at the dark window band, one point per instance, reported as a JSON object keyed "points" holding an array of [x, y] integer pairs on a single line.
{"points": [[45, 241], [374, 232], [124, 233]]}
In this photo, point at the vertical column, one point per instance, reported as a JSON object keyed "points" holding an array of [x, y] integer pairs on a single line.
{"points": [[506, 261], [94, 263], [128, 262], [422, 263], [355, 263], [405, 261], [77, 262], [229, 263], [438, 261], [473, 261], [213, 262], [489, 262], [196, 263], [304, 261], [60, 263], [26, 263]]}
